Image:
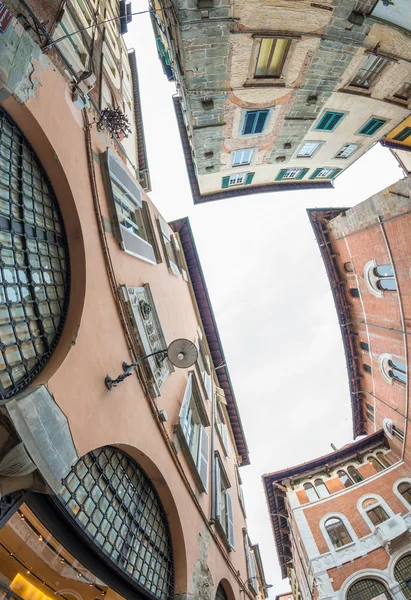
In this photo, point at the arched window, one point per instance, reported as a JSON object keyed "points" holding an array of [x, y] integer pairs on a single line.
{"points": [[321, 488], [354, 292], [405, 491], [337, 532], [367, 368], [345, 480], [386, 279], [34, 279], [402, 573], [379, 278], [392, 369], [311, 493], [376, 464], [364, 346], [383, 459], [113, 502], [367, 589], [354, 474], [375, 512], [221, 594]]}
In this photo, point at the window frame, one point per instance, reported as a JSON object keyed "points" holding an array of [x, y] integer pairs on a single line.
{"points": [[192, 399], [318, 143], [357, 147], [282, 63], [282, 174], [406, 98], [241, 164], [222, 428], [375, 75], [322, 116], [368, 135], [170, 246], [252, 573], [317, 173], [343, 471], [385, 362], [399, 138], [399, 495], [224, 515], [246, 114], [380, 503], [372, 279], [350, 530]]}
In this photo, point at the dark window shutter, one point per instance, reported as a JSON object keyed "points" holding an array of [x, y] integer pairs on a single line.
{"points": [[261, 119], [249, 122], [225, 182], [248, 178], [281, 174], [335, 173], [314, 173], [302, 173]]}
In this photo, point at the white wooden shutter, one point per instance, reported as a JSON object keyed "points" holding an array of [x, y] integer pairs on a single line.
{"points": [[120, 175], [252, 573], [230, 519], [186, 403], [226, 443], [202, 459], [207, 384], [241, 496], [168, 245], [137, 246], [217, 490]]}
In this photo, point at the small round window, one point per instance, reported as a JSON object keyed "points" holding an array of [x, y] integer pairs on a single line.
{"points": [[34, 264]]}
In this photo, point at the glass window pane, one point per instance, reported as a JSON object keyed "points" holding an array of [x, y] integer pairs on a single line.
{"points": [[338, 533], [308, 149], [278, 57], [405, 491], [264, 56], [376, 464], [321, 488], [354, 474], [345, 480], [383, 459], [311, 493], [377, 515]]}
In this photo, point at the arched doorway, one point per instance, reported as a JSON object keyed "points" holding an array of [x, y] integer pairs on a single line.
{"points": [[34, 263], [367, 589], [402, 573], [220, 593]]}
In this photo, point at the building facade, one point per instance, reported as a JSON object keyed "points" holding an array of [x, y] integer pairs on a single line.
{"points": [[342, 522], [273, 96], [133, 491]]}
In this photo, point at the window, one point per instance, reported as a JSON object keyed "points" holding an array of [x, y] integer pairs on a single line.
{"points": [[402, 573], [376, 464], [192, 434], [386, 279], [131, 219], [348, 268], [222, 429], [251, 566], [404, 92], [310, 491], [237, 179], [308, 149], [240, 490], [345, 480], [354, 474], [337, 532], [321, 488], [367, 368], [347, 150], [329, 120], [242, 157], [369, 410], [35, 281], [354, 292], [293, 173], [374, 511], [370, 416], [325, 173], [204, 365], [170, 246], [367, 589], [398, 433], [392, 369], [114, 502], [255, 121], [372, 126], [383, 459], [271, 57], [369, 72], [224, 506], [364, 346], [379, 278], [405, 491], [402, 135]]}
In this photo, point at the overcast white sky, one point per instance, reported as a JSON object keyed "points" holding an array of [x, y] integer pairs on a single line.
{"points": [[270, 295]]}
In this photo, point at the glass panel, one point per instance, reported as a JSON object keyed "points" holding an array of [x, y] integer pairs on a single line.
{"points": [[384, 271], [354, 474], [405, 491], [338, 533], [291, 173], [278, 57], [377, 515], [346, 481], [237, 179], [346, 151], [376, 464], [321, 488], [311, 493], [383, 459], [367, 589], [308, 148], [404, 92], [264, 57], [369, 71]]}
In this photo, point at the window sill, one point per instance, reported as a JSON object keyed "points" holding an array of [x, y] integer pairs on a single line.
{"points": [[356, 91], [342, 548], [264, 82]]}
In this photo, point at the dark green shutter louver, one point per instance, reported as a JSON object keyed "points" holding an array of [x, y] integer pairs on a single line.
{"points": [[329, 120], [248, 178], [302, 173], [225, 182], [372, 126], [335, 173], [281, 174], [315, 174]]}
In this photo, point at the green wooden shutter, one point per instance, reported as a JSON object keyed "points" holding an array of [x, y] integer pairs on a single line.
{"points": [[248, 178], [281, 174], [225, 182], [335, 173], [302, 173], [315, 173]]}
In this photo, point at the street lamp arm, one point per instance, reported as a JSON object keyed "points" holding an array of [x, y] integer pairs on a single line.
{"points": [[110, 383]]}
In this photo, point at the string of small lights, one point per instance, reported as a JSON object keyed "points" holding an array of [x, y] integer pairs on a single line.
{"points": [[63, 560]]}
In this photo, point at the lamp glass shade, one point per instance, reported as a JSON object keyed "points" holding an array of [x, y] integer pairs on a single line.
{"points": [[182, 353]]}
